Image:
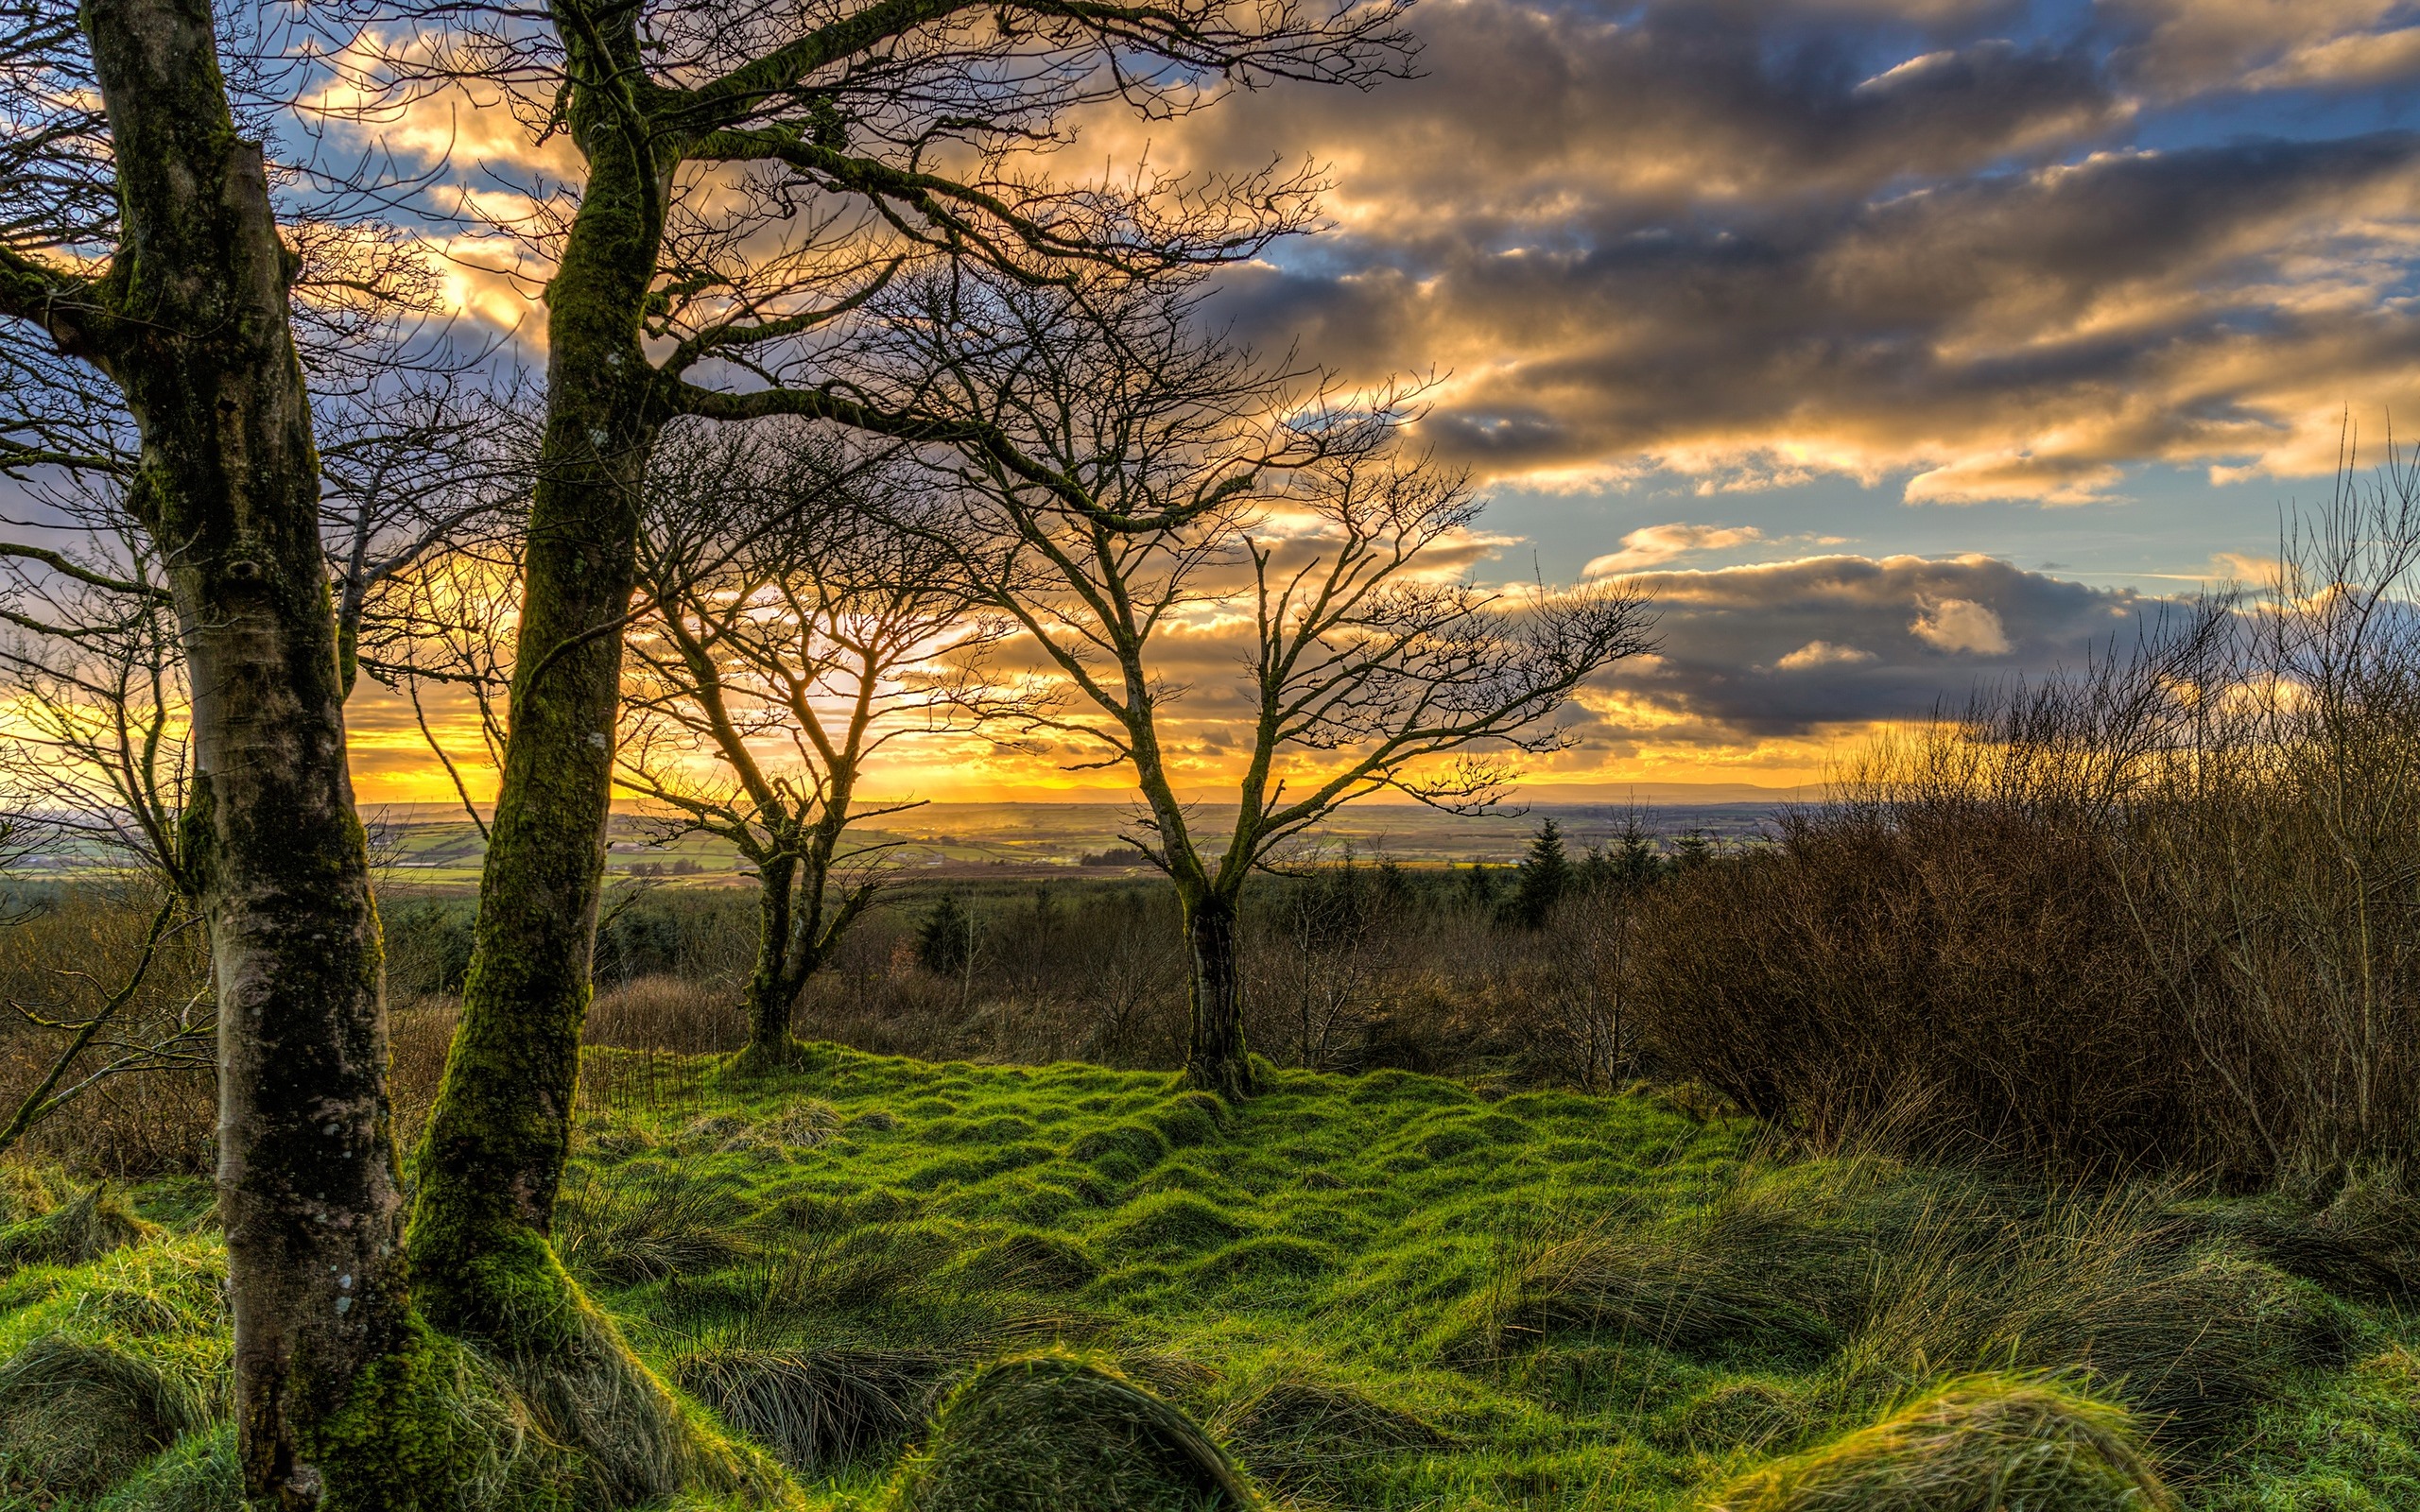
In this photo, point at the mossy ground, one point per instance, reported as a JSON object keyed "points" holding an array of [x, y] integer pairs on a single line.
{"points": [[1386, 1292]]}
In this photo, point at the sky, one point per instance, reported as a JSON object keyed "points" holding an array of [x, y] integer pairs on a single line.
{"points": [[1891, 345]]}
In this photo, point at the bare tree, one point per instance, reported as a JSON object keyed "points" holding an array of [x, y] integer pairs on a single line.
{"points": [[96, 757], [795, 633], [1213, 486], [162, 271]]}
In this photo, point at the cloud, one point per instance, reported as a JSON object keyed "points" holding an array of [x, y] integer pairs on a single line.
{"points": [[1534, 116], [1904, 243], [2178, 48], [1758, 668], [1654, 545], [1787, 651], [1961, 625], [2248, 568], [1823, 654], [1917, 244], [2026, 336], [2348, 61]]}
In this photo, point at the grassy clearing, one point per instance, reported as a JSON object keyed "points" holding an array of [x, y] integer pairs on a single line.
{"points": [[1386, 1292]]}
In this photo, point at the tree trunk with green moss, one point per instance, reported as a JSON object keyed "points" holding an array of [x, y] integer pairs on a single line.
{"points": [[497, 1135], [491, 1159], [191, 320], [782, 966], [798, 924], [1215, 1058]]}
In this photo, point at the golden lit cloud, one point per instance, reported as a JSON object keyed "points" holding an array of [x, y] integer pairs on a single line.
{"points": [[1654, 545]]}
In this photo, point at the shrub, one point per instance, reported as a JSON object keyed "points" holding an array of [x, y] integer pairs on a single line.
{"points": [[2159, 914], [1938, 972], [428, 945], [79, 946]]}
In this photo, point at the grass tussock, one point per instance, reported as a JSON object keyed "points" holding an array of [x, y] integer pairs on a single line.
{"points": [[79, 1413], [1879, 1277], [108, 1360], [1982, 1444], [816, 1408], [1053, 1433], [625, 1228], [82, 1227], [1302, 1435]]}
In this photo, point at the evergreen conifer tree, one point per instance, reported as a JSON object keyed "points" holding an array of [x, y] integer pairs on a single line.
{"points": [[1545, 876], [946, 937]]}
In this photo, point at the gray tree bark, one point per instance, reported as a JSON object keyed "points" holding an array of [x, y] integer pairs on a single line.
{"points": [[191, 320]]}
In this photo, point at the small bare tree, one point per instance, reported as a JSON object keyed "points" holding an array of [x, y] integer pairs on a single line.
{"points": [[796, 633], [1189, 485], [96, 761]]}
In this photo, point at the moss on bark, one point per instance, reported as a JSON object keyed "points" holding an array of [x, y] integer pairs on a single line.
{"points": [[491, 1159], [1215, 1058], [191, 319], [499, 1131]]}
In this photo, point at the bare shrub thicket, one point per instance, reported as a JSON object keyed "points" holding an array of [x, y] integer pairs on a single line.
{"points": [[1348, 966], [2163, 913]]}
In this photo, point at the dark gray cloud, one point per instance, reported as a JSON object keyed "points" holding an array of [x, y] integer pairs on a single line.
{"points": [[1876, 238], [1790, 649], [1778, 650], [1528, 118]]}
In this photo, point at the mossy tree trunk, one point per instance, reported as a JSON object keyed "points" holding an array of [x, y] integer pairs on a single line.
{"points": [[771, 988], [800, 923], [190, 318], [491, 1159], [499, 1131], [1209, 893], [1215, 1059]]}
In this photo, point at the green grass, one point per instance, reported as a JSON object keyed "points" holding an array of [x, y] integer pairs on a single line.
{"points": [[1390, 1292]]}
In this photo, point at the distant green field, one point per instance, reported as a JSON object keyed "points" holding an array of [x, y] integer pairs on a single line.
{"points": [[1393, 1292]]}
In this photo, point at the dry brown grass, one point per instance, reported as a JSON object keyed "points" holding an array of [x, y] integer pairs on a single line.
{"points": [[70, 956], [689, 1018]]}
